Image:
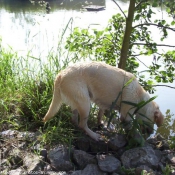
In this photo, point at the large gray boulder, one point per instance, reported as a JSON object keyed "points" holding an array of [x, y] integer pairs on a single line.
{"points": [[93, 169], [33, 163], [60, 159], [108, 163], [81, 158], [140, 156], [116, 142]]}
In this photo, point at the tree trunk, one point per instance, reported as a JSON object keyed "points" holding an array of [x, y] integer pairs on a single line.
{"points": [[126, 39]]}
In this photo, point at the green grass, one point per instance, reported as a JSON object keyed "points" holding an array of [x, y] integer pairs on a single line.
{"points": [[26, 92], [26, 88]]}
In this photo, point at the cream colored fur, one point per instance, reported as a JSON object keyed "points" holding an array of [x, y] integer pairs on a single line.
{"points": [[100, 83]]}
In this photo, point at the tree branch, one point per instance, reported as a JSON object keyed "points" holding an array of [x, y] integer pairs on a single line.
{"points": [[151, 24], [149, 44], [119, 8], [142, 62], [164, 86], [140, 3], [127, 35], [139, 54]]}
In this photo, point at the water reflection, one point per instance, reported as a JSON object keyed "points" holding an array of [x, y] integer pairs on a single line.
{"points": [[34, 6], [25, 26]]}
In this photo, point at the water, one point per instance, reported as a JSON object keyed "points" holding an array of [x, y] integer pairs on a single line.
{"points": [[27, 27]]}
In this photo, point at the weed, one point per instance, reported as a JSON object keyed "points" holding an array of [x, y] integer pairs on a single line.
{"points": [[168, 170], [129, 171]]}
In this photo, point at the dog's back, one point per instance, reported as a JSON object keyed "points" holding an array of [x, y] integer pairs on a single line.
{"points": [[100, 82]]}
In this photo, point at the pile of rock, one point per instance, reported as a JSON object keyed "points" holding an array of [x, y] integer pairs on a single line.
{"points": [[21, 153]]}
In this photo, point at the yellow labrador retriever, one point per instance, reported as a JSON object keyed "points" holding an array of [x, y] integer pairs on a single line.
{"points": [[100, 83]]}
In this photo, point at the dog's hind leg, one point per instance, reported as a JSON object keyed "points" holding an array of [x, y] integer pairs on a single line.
{"points": [[75, 117], [99, 117], [83, 110]]}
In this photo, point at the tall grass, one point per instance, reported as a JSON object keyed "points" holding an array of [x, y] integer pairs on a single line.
{"points": [[26, 88]]}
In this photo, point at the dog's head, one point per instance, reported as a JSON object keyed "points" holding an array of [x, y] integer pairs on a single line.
{"points": [[154, 116], [158, 117]]}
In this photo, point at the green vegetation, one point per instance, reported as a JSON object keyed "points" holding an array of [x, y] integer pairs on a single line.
{"points": [[26, 85]]}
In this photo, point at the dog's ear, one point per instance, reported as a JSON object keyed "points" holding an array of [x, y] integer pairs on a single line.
{"points": [[158, 118]]}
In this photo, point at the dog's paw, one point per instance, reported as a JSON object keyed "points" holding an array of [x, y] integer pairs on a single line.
{"points": [[44, 120], [97, 137]]}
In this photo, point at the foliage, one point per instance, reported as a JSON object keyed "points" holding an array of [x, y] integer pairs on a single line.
{"points": [[168, 129], [26, 93], [130, 171], [106, 45], [168, 170]]}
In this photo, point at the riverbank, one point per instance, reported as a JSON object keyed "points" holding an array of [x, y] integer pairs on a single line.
{"points": [[23, 153]]}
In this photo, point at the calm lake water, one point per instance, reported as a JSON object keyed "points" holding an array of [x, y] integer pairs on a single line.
{"points": [[27, 27]]}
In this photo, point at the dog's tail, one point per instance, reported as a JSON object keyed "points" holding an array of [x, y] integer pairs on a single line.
{"points": [[56, 100]]}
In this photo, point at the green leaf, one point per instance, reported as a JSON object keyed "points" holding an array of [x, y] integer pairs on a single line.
{"points": [[144, 104], [154, 4], [127, 83], [130, 103], [173, 23]]}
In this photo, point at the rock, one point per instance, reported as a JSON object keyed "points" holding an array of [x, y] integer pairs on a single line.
{"points": [[117, 142], [92, 169], [159, 142], [4, 152], [15, 158], [160, 167], [22, 139], [108, 163], [119, 152], [140, 156], [99, 146], [83, 144], [5, 165], [28, 136], [15, 161], [4, 172], [78, 172], [82, 158], [60, 159], [22, 145], [58, 172], [18, 171], [33, 163], [43, 153], [171, 158], [158, 153], [9, 134]]}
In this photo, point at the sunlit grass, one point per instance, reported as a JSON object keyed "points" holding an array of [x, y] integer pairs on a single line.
{"points": [[26, 88]]}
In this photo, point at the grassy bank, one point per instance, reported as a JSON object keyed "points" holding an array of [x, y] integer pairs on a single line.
{"points": [[26, 86]]}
